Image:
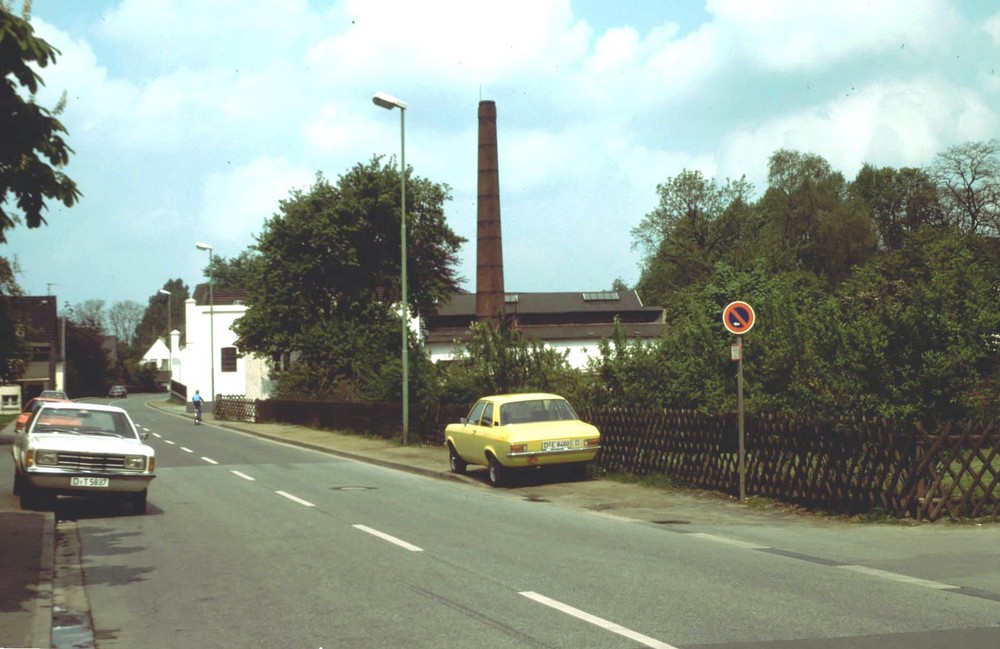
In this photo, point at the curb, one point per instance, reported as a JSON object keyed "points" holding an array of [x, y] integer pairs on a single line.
{"points": [[41, 626]]}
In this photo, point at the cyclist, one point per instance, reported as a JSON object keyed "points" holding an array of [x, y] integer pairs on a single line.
{"points": [[198, 402]]}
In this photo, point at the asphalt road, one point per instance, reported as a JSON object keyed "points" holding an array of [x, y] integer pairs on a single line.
{"points": [[248, 542]]}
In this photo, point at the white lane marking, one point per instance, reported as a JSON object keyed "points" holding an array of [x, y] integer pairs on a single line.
{"points": [[732, 542], [209, 460], [242, 475], [157, 435], [593, 619], [296, 499], [169, 442], [186, 449], [895, 576], [386, 537]]}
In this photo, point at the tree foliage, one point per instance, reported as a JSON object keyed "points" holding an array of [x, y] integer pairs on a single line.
{"points": [[32, 149], [498, 359], [155, 322], [874, 297], [327, 283]]}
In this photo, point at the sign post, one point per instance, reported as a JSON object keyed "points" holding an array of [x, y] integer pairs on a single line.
{"points": [[739, 318]]}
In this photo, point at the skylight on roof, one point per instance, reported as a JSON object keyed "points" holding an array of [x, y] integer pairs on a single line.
{"points": [[601, 296]]}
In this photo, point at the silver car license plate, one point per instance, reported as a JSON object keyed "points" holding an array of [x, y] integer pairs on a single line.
{"points": [[77, 481]]}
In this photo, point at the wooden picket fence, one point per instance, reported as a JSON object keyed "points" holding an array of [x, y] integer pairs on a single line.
{"points": [[846, 466]]}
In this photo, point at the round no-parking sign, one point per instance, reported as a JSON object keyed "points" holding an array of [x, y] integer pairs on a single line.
{"points": [[738, 317]]}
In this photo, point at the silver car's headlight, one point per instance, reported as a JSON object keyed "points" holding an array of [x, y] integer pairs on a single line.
{"points": [[46, 458], [135, 462]]}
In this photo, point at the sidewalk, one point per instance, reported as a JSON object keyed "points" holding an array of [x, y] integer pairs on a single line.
{"points": [[26, 561]]}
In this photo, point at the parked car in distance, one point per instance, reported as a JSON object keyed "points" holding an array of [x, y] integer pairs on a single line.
{"points": [[514, 431], [81, 449], [117, 391], [54, 394], [29, 408]]}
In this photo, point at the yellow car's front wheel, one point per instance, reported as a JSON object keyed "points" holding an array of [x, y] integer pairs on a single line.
{"points": [[457, 464]]}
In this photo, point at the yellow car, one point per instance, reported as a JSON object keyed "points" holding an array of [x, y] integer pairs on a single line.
{"points": [[511, 431]]}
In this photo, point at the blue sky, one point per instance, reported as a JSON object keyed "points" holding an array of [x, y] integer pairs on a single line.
{"points": [[192, 119]]}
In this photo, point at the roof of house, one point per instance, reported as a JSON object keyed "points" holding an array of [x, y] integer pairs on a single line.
{"points": [[39, 311], [219, 295], [554, 316]]}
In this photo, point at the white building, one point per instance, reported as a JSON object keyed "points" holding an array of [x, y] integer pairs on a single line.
{"points": [[210, 361], [574, 323]]}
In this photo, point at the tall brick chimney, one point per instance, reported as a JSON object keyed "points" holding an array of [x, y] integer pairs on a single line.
{"points": [[489, 247]]}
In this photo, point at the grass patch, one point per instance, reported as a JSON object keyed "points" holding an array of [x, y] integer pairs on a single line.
{"points": [[6, 419], [654, 480]]}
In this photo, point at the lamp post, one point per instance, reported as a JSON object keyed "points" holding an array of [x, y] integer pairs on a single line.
{"points": [[170, 347], [389, 102], [211, 322]]}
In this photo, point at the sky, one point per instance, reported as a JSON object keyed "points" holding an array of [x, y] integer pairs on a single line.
{"points": [[190, 120]]}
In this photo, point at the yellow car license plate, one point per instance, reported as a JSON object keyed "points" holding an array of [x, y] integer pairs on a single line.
{"points": [[560, 445]]}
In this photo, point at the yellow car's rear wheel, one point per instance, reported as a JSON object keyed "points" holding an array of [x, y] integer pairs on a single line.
{"points": [[497, 473]]}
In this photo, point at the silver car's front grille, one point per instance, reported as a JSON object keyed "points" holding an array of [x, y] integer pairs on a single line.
{"points": [[91, 461]]}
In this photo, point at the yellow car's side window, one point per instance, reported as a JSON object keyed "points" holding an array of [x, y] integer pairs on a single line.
{"points": [[476, 413], [488, 415]]}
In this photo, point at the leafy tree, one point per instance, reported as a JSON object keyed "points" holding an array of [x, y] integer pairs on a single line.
{"points": [[154, 323], [811, 222], [238, 273], [32, 149], [124, 317], [693, 227], [968, 179], [328, 281], [498, 359], [900, 201], [88, 368], [89, 314], [13, 348]]}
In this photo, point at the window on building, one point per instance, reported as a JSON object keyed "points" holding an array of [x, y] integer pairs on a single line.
{"points": [[228, 359], [40, 353], [281, 361], [165, 364]]}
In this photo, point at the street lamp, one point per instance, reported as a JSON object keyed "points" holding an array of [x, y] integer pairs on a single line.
{"points": [[389, 102], [211, 321], [170, 347]]}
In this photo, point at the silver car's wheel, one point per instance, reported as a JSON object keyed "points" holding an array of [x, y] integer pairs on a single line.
{"points": [[33, 499], [138, 502], [497, 473], [457, 464], [18, 483]]}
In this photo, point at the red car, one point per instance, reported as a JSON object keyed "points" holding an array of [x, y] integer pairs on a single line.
{"points": [[29, 409]]}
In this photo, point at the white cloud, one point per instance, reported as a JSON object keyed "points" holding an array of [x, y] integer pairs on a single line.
{"points": [[794, 35], [236, 204], [896, 124]]}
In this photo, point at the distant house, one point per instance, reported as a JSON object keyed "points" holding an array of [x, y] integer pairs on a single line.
{"points": [[572, 322], [46, 366], [158, 356]]}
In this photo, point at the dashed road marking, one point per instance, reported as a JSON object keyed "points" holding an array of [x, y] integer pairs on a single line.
{"points": [[296, 499], [597, 621], [240, 474], [387, 537]]}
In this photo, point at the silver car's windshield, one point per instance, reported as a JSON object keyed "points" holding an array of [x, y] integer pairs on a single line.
{"points": [[83, 422]]}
